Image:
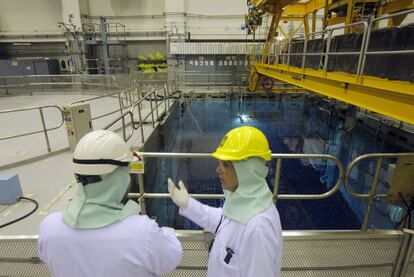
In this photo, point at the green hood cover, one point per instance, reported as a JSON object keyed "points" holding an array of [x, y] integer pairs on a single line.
{"points": [[252, 195], [99, 204]]}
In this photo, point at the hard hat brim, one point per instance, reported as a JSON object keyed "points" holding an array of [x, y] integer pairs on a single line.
{"points": [[93, 169], [228, 157]]}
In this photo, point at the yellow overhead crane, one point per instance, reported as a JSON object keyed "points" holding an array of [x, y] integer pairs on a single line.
{"points": [[393, 98]]}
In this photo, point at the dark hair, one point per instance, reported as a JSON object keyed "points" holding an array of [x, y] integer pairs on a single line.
{"points": [[88, 179]]}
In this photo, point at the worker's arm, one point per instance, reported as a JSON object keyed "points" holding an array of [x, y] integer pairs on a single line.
{"points": [[203, 215], [164, 250]]}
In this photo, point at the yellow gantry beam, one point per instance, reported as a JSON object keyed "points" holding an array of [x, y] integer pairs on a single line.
{"points": [[302, 9], [341, 3], [398, 5], [261, 3], [335, 20], [391, 98], [282, 90]]}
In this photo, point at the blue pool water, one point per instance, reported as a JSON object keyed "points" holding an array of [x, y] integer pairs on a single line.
{"points": [[294, 125]]}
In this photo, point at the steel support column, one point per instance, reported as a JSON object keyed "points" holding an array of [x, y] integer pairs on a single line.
{"points": [[349, 14], [105, 51]]}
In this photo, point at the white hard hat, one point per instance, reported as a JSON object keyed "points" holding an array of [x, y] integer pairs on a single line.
{"points": [[100, 152]]}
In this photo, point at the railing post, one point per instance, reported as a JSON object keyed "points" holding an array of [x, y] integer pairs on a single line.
{"points": [[156, 102], [328, 46], [289, 46], [44, 129], [6, 85], [141, 123], [141, 192], [126, 99], [409, 253], [269, 53], [372, 192], [26, 84], [404, 254], [364, 47], [277, 179], [123, 128], [120, 102], [139, 91], [168, 95], [277, 50], [152, 112], [305, 46], [361, 62], [165, 98]]}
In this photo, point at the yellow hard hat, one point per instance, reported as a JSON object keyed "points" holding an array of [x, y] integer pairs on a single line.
{"points": [[242, 143]]}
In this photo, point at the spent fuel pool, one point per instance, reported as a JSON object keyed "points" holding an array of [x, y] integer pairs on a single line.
{"points": [[293, 124]]}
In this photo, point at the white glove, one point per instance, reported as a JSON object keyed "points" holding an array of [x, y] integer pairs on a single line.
{"points": [[178, 195]]}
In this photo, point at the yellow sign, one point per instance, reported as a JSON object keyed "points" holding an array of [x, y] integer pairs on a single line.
{"points": [[137, 167]]}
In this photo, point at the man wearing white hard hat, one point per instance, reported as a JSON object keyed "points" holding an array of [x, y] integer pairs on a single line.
{"points": [[98, 235]]}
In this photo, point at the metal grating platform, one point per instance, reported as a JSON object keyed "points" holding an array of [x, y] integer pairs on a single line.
{"points": [[351, 253]]}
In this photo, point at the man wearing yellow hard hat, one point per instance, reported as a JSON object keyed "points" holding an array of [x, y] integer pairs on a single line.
{"points": [[248, 232]]}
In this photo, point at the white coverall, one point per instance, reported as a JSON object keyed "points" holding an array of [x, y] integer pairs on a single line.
{"points": [[257, 245], [136, 246]]}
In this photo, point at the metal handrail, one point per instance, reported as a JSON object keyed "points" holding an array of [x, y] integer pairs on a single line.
{"points": [[152, 93], [406, 254], [122, 118], [139, 124], [129, 96], [196, 73], [71, 80], [91, 27], [92, 30], [138, 104], [94, 76], [121, 95], [372, 195], [327, 52], [287, 235], [118, 33], [362, 54], [278, 157], [364, 157], [371, 26], [231, 79], [96, 98], [132, 104], [364, 37], [44, 130]]}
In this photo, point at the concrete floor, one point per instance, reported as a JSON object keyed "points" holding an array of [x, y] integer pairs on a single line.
{"points": [[48, 179]]}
